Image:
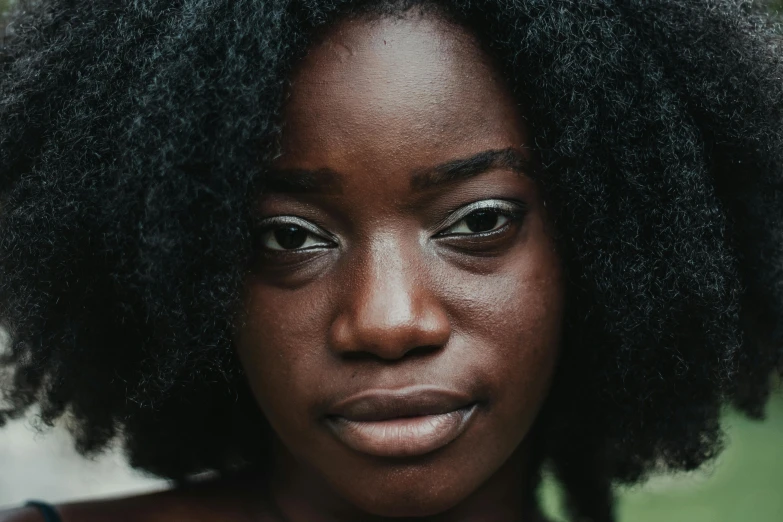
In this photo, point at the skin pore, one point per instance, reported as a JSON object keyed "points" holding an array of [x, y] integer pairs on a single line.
{"points": [[401, 243]]}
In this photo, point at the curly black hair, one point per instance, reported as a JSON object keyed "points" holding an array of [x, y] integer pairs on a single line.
{"points": [[134, 137]]}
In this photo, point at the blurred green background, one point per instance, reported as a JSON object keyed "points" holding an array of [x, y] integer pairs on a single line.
{"points": [[744, 484]]}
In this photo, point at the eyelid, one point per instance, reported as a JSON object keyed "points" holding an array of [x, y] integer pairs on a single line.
{"points": [[293, 220], [505, 206]]}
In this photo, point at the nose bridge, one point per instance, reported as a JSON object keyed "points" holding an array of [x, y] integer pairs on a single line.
{"points": [[390, 287], [389, 308]]}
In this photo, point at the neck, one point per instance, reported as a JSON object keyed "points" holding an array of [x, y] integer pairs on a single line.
{"points": [[296, 493]]}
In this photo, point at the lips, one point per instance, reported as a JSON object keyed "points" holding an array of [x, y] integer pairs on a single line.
{"points": [[401, 423]]}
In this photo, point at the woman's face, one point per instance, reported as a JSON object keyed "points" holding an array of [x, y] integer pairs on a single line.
{"points": [[404, 317]]}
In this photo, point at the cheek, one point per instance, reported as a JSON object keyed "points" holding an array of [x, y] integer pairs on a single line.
{"points": [[534, 328], [516, 315], [280, 346]]}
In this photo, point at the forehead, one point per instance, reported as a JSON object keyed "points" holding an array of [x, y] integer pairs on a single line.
{"points": [[371, 90]]}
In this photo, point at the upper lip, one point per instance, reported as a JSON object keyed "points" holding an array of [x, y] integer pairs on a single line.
{"points": [[378, 405]]}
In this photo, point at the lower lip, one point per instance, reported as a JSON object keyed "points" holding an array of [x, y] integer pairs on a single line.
{"points": [[403, 436]]}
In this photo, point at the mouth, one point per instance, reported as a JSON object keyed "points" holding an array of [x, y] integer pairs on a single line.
{"points": [[401, 423]]}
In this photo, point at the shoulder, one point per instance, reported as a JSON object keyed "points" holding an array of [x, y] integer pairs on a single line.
{"points": [[210, 502], [130, 509], [21, 515]]}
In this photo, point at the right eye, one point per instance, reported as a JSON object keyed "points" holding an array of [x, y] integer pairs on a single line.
{"points": [[288, 233]]}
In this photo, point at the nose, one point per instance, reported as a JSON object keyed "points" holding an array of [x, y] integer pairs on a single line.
{"points": [[388, 308]]}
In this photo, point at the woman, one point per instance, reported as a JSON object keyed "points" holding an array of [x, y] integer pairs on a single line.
{"points": [[374, 260]]}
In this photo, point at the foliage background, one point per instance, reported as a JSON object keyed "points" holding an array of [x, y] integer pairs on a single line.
{"points": [[744, 484]]}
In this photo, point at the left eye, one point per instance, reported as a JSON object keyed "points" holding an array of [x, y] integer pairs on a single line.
{"points": [[290, 234], [478, 221], [483, 217]]}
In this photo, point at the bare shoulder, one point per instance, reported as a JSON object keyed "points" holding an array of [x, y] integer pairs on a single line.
{"points": [[123, 509], [20, 515], [210, 502], [127, 509]]}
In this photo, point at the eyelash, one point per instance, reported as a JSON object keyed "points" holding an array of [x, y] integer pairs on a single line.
{"points": [[268, 227], [512, 210]]}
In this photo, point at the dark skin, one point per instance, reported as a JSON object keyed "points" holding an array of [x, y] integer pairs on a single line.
{"points": [[401, 242]]}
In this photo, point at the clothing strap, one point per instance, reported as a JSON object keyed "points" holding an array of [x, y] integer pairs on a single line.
{"points": [[47, 510]]}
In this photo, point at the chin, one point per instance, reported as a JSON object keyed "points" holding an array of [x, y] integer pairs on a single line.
{"points": [[416, 504], [410, 496]]}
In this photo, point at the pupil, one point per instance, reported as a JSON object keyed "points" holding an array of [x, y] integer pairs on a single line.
{"points": [[481, 220], [290, 237]]}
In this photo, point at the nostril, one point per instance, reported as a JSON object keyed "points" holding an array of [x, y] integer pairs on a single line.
{"points": [[370, 353], [387, 321], [425, 350], [358, 356]]}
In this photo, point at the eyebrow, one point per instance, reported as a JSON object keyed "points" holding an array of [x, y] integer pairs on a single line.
{"points": [[326, 181], [466, 168]]}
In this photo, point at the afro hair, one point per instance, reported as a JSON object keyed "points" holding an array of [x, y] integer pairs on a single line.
{"points": [[134, 136]]}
